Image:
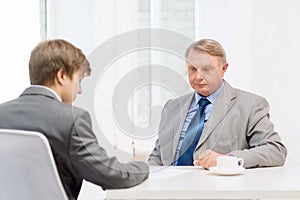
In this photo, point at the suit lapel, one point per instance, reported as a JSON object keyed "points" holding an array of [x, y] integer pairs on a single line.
{"points": [[184, 108], [223, 104]]}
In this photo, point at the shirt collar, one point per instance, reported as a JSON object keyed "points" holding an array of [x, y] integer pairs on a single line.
{"points": [[49, 89], [212, 98]]}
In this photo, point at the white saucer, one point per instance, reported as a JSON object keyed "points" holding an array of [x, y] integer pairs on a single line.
{"points": [[236, 171]]}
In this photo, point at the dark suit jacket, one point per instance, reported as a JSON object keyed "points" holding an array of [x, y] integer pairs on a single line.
{"points": [[74, 145], [239, 124]]}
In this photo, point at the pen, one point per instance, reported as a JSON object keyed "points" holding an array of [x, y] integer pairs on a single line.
{"points": [[133, 148]]}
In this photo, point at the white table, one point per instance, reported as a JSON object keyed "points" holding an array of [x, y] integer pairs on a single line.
{"points": [[197, 183]]}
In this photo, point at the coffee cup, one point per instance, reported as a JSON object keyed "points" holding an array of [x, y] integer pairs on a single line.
{"points": [[229, 163]]}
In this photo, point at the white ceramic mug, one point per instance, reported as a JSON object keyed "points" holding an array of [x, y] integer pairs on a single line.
{"points": [[228, 163]]}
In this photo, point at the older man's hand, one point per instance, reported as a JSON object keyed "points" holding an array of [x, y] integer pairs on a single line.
{"points": [[208, 159]]}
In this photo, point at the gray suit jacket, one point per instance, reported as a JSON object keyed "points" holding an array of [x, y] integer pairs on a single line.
{"points": [[239, 124], [74, 145]]}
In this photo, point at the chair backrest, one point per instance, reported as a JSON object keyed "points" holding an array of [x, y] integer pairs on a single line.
{"points": [[27, 167]]}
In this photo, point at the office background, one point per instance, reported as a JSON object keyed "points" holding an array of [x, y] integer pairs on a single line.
{"points": [[261, 39]]}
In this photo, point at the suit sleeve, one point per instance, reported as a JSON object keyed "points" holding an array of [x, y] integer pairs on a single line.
{"points": [[94, 165], [155, 156], [265, 146]]}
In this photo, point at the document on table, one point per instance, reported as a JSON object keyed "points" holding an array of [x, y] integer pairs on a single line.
{"points": [[167, 173]]}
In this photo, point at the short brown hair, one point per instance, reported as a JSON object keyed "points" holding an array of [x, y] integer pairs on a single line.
{"points": [[210, 46], [49, 56]]}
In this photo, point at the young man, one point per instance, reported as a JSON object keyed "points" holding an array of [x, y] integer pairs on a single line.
{"points": [[56, 70], [235, 122]]}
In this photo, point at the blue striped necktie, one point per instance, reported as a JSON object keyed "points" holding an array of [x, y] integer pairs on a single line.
{"points": [[192, 135]]}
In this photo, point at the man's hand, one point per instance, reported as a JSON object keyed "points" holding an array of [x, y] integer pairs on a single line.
{"points": [[208, 159]]}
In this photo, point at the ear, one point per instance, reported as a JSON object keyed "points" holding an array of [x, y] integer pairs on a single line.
{"points": [[60, 77], [224, 68]]}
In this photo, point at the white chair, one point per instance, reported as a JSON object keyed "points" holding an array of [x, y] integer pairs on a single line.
{"points": [[27, 167]]}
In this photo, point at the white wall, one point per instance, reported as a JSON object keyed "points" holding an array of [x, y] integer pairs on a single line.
{"points": [[20, 32], [261, 39]]}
